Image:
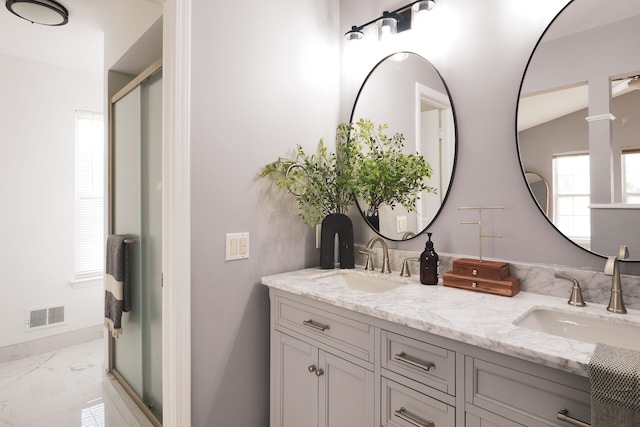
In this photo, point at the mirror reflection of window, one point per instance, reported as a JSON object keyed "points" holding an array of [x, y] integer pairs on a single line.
{"points": [[631, 175], [571, 194]]}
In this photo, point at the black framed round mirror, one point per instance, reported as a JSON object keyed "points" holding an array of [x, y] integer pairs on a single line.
{"points": [[406, 92], [578, 123]]}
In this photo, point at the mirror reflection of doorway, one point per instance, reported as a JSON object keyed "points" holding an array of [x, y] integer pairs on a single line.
{"points": [[435, 140]]}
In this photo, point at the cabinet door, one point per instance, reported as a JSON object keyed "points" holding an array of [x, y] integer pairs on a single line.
{"points": [[296, 389], [346, 393]]}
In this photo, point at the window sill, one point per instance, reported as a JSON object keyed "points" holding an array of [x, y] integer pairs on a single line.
{"points": [[614, 206], [88, 282]]}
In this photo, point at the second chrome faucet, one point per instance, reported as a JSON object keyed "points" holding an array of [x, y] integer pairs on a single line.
{"points": [[386, 267], [616, 303]]}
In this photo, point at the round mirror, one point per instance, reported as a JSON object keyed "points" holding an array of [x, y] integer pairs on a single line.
{"points": [[405, 93], [578, 123]]}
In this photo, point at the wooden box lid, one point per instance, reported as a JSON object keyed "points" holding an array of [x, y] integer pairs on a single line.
{"points": [[473, 268]]}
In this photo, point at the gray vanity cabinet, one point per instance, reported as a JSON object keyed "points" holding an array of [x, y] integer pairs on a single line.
{"points": [[333, 367], [321, 373]]}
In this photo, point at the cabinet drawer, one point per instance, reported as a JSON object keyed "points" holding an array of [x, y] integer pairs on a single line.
{"points": [[405, 407], [525, 398], [422, 362], [353, 337]]}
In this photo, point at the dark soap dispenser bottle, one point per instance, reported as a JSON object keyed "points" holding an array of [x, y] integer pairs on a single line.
{"points": [[429, 264]]}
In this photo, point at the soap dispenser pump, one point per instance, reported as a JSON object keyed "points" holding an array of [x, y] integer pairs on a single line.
{"points": [[429, 263]]}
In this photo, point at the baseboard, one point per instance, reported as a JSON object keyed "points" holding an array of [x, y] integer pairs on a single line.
{"points": [[50, 343]]}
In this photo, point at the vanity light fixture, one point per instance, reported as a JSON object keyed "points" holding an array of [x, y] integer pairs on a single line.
{"points": [[392, 22], [44, 12], [388, 25]]}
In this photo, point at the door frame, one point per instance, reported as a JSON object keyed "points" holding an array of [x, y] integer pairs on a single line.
{"points": [[176, 211]]}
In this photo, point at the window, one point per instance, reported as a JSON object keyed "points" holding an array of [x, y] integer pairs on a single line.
{"points": [[631, 175], [89, 195], [571, 196]]}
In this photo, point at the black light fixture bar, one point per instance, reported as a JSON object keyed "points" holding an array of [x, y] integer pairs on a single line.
{"points": [[401, 14]]}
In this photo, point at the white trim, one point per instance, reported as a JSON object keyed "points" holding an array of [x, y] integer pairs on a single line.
{"points": [[600, 117], [176, 257], [87, 282]]}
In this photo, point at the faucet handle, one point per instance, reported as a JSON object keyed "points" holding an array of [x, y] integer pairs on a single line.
{"points": [[405, 266], [369, 263], [576, 292], [623, 252]]}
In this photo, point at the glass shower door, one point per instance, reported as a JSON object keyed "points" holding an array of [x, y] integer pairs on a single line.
{"points": [[136, 356]]}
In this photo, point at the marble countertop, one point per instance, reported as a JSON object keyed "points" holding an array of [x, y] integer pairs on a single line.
{"points": [[475, 318]]}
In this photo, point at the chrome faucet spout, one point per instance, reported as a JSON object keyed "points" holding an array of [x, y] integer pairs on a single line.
{"points": [[386, 268], [611, 268]]}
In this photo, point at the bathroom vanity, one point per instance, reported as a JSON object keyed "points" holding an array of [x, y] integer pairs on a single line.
{"points": [[414, 355]]}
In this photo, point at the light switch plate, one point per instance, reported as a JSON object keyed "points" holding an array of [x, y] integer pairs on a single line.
{"points": [[237, 246]]}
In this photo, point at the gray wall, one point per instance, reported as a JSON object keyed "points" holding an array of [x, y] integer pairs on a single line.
{"points": [[267, 76]]}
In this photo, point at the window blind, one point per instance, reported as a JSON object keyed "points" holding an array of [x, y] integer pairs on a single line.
{"points": [[89, 194]]}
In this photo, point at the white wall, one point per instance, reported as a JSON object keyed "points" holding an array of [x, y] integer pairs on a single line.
{"points": [[134, 18], [37, 191]]}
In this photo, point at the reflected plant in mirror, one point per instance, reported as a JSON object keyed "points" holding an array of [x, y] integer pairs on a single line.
{"points": [[383, 174], [578, 123], [407, 93]]}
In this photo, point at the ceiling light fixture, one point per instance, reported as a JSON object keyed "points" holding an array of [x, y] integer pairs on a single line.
{"points": [[392, 22], [44, 12]]}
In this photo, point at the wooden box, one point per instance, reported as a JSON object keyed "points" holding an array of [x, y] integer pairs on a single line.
{"points": [[482, 276]]}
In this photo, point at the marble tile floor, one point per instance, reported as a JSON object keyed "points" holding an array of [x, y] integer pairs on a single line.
{"points": [[62, 388]]}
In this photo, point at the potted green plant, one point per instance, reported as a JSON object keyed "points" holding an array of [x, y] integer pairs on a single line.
{"points": [[321, 184], [382, 173]]}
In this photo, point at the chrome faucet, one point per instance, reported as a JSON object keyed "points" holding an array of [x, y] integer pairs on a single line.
{"points": [[576, 292], [616, 303], [385, 253]]}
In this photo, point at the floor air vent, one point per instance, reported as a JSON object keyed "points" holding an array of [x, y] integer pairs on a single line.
{"points": [[43, 317]]}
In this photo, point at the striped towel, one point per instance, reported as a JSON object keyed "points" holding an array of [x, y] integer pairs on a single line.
{"points": [[117, 298]]}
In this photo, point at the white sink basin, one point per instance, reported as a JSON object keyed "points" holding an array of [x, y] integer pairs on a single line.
{"points": [[359, 282], [582, 327]]}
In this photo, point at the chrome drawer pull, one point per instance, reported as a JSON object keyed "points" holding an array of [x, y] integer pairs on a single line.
{"points": [[563, 415], [401, 413], [315, 325], [402, 356]]}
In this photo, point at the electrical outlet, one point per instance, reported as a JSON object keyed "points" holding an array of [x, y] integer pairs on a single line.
{"points": [[401, 224]]}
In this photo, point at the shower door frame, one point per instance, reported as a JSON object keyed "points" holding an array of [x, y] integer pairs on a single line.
{"points": [[148, 72]]}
